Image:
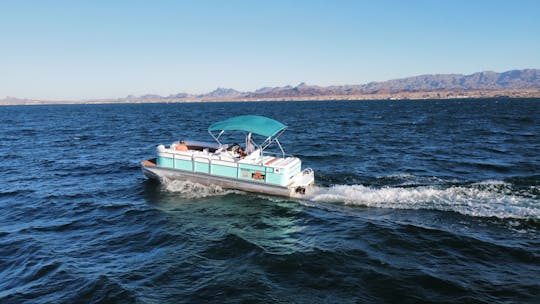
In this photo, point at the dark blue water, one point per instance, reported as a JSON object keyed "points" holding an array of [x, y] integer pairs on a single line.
{"points": [[432, 201]]}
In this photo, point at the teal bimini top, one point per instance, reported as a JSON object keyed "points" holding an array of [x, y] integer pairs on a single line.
{"points": [[250, 123]]}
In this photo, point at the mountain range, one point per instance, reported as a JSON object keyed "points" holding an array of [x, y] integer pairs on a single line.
{"points": [[514, 83], [527, 79]]}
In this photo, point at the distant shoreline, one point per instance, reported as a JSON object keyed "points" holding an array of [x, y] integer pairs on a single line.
{"points": [[510, 84], [436, 95]]}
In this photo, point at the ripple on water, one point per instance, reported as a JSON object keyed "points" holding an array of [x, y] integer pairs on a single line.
{"points": [[416, 200]]}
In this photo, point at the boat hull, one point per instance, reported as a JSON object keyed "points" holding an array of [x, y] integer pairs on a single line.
{"points": [[159, 173]]}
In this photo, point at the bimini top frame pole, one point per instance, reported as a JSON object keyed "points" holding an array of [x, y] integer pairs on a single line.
{"points": [[280, 147], [216, 138], [270, 140]]}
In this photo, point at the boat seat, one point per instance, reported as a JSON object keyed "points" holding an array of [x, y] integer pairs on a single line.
{"points": [[253, 155], [221, 149]]}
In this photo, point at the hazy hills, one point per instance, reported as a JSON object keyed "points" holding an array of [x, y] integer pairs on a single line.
{"points": [[528, 79], [514, 83], [510, 80]]}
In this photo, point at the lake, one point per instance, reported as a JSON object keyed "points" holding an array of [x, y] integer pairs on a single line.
{"points": [[416, 200]]}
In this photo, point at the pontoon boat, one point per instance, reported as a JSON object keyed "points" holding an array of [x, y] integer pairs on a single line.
{"points": [[249, 169]]}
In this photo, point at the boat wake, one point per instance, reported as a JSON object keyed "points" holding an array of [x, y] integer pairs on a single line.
{"points": [[486, 199], [194, 190]]}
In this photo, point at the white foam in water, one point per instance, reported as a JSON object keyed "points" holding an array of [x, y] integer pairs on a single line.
{"points": [[483, 199], [492, 182], [194, 190], [481, 202]]}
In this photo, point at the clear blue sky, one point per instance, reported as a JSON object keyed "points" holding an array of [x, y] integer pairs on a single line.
{"points": [[99, 49]]}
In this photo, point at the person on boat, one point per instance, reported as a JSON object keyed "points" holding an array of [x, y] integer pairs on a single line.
{"points": [[242, 152], [237, 151], [249, 144], [234, 148], [182, 146]]}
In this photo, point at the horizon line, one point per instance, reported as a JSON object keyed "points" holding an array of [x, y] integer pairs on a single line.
{"points": [[303, 83]]}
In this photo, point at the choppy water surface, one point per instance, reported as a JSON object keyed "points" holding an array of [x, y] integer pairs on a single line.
{"points": [[417, 201]]}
